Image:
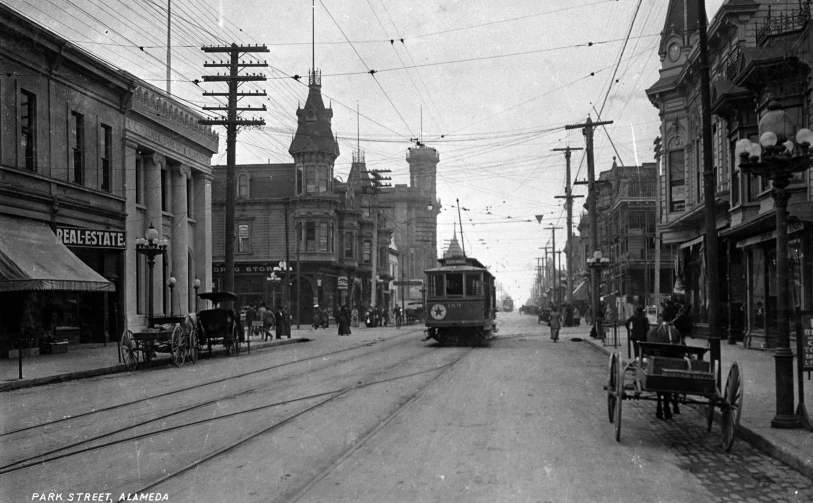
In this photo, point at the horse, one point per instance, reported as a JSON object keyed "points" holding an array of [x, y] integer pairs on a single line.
{"points": [[676, 325]]}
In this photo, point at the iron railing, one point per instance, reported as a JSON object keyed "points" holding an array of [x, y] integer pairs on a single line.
{"points": [[785, 22]]}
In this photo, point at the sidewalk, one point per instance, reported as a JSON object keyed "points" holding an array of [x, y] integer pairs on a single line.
{"points": [[792, 447], [90, 360]]}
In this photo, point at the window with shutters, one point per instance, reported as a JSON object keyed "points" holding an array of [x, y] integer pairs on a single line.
{"points": [[107, 156], [28, 128], [78, 147]]}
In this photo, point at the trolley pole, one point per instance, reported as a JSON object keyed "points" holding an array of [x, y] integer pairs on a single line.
{"points": [[587, 129], [568, 197]]}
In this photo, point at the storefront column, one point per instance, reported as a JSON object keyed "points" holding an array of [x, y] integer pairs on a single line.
{"points": [[153, 163], [180, 244], [202, 189], [134, 223]]}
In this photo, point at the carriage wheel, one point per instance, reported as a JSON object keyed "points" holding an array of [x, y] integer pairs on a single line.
{"points": [[619, 400], [732, 410], [235, 340], [194, 347], [129, 350], [611, 385], [177, 346]]}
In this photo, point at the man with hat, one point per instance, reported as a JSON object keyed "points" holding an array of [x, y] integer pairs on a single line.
{"points": [[640, 327]]}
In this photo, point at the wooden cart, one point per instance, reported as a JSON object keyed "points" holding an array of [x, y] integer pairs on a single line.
{"points": [[176, 335], [672, 368]]}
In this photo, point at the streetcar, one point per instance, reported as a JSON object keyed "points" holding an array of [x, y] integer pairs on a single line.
{"points": [[460, 302], [508, 305]]}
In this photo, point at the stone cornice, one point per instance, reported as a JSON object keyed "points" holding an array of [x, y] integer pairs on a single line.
{"points": [[169, 113]]}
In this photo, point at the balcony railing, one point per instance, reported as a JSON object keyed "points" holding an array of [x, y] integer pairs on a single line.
{"points": [[785, 22], [728, 68]]}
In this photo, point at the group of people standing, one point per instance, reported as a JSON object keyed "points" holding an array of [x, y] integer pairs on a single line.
{"points": [[278, 319]]}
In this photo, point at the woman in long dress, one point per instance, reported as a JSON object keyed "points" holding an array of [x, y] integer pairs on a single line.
{"points": [[343, 320]]}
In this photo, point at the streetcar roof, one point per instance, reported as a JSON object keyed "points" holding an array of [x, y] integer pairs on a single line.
{"points": [[457, 268]]}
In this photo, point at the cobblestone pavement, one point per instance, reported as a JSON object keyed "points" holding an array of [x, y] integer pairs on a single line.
{"points": [[743, 475]]}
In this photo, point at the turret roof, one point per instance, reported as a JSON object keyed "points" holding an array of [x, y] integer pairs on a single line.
{"points": [[313, 132]]}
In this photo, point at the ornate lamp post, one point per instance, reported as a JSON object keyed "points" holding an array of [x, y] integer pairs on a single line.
{"points": [[171, 282], [285, 269], [274, 280], [151, 246], [778, 159], [197, 285], [598, 263]]}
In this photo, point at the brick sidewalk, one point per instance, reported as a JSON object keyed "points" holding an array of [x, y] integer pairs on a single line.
{"points": [[793, 447]]}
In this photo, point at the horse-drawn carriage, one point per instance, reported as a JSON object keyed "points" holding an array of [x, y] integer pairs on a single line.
{"points": [[219, 325], [175, 335], [183, 336], [675, 371]]}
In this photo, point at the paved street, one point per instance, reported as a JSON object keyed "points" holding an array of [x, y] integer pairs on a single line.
{"points": [[377, 416]]}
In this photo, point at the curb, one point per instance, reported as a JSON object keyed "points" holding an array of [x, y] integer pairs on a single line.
{"points": [[747, 434], [119, 367]]}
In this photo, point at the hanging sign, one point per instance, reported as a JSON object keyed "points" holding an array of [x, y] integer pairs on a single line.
{"points": [[806, 349], [342, 281]]}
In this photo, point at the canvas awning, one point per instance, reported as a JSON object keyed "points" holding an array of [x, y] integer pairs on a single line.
{"points": [[32, 258], [580, 293]]}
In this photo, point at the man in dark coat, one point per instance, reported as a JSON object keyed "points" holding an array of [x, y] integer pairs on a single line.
{"points": [[640, 327], [279, 321], [343, 320]]}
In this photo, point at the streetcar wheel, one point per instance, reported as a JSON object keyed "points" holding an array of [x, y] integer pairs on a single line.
{"points": [[177, 346], [619, 399], [732, 409], [129, 350], [611, 385]]}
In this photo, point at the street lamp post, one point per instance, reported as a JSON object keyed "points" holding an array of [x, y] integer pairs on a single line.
{"points": [[151, 246], [777, 160], [597, 263], [197, 286], [274, 280], [171, 282]]}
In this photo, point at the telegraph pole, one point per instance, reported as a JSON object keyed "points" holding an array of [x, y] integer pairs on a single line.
{"points": [[587, 129], [554, 281], [231, 121], [568, 197]]}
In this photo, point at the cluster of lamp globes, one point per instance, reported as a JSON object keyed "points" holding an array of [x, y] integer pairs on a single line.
{"points": [[776, 134], [597, 260], [151, 240], [283, 267]]}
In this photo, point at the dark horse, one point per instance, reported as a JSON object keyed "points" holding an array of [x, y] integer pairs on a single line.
{"points": [[676, 325]]}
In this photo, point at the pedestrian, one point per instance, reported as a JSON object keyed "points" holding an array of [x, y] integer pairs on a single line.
{"points": [[279, 321], [386, 317], [555, 324], [354, 317], [568, 315], [576, 317], [398, 316], [251, 317], [317, 317], [343, 320], [325, 318], [588, 315], [267, 317], [287, 315], [640, 327]]}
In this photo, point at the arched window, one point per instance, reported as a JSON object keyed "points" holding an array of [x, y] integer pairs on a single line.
{"points": [[242, 186]]}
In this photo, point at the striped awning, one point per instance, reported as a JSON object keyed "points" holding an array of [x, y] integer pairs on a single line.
{"points": [[32, 258]]}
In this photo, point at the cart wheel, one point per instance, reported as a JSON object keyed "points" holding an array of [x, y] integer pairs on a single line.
{"points": [[129, 350], [611, 385], [193, 348], [620, 399], [732, 408], [235, 340], [177, 346]]}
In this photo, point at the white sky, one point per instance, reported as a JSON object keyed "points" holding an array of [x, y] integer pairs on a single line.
{"points": [[493, 113]]}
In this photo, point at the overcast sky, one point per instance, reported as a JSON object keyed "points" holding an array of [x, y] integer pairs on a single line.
{"points": [[495, 83]]}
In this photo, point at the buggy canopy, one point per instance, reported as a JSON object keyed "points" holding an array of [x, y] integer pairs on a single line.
{"points": [[32, 258]]}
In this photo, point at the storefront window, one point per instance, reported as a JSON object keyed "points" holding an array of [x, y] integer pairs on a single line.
{"points": [[756, 290]]}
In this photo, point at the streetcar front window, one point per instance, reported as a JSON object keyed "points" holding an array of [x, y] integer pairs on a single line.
{"points": [[435, 285], [454, 284], [474, 285]]}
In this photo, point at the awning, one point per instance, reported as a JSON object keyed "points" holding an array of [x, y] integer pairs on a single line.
{"points": [[580, 293], [32, 258]]}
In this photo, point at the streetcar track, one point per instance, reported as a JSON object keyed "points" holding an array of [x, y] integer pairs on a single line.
{"points": [[196, 386], [285, 421], [30, 461], [357, 445]]}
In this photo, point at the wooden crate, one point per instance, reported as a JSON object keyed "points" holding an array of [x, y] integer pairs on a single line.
{"points": [[679, 375]]}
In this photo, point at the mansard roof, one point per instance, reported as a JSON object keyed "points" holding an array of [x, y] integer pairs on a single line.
{"points": [[313, 132]]}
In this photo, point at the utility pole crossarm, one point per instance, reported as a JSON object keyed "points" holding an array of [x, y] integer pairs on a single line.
{"points": [[588, 124], [235, 48]]}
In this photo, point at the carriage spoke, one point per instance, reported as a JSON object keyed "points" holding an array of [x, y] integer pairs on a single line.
{"points": [[129, 350]]}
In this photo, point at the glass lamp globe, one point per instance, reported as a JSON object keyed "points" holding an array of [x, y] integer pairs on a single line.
{"points": [[172, 281], [742, 146], [151, 234], [804, 136], [778, 122], [197, 283]]}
